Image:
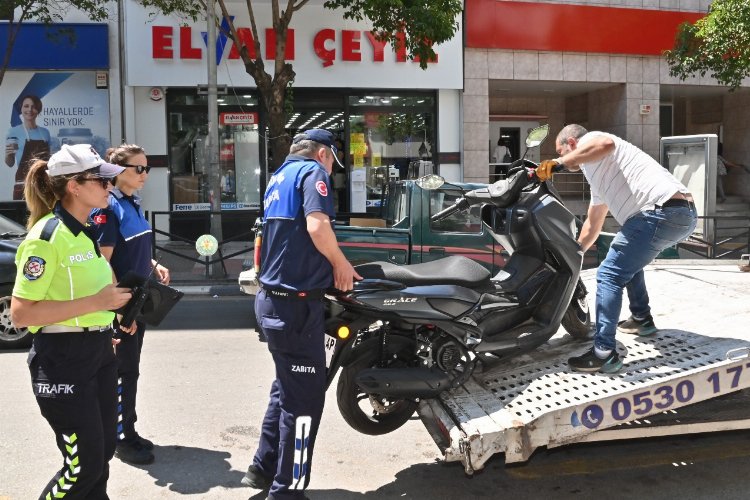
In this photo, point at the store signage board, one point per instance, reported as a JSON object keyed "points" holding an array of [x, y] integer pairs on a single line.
{"points": [[205, 207], [325, 50], [238, 118]]}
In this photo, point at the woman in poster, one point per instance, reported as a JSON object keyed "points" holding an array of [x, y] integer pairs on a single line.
{"points": [[26, 142]]}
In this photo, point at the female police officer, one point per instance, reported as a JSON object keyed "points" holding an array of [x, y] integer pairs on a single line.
{"points": [[126, 240], [63, 293]]}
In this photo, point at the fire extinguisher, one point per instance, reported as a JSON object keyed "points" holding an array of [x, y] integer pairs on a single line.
{"points": [[258, 228]]}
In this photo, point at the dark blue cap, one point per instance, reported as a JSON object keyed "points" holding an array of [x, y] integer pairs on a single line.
{"points": [[319, 135]]}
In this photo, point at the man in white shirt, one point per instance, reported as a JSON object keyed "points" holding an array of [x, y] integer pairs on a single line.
{"points": [[655, 211]]}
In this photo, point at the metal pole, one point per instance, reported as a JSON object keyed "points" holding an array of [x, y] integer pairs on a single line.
{"points": [[214, 173]]}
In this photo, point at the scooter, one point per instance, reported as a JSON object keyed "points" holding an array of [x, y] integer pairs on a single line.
{"points": [[410, 332]]}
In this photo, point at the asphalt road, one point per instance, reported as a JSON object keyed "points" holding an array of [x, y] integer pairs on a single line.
{"points": [[204, 383]]}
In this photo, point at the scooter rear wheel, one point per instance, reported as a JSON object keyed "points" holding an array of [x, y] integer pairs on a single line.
{"points": [[577, 319], [373, 414]]}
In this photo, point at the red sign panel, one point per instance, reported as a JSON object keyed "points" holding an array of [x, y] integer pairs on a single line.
{"points": [[492, 24]]}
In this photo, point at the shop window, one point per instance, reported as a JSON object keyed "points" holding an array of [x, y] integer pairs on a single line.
{"points": [[315, 108], [239, 151], [391, 137]]}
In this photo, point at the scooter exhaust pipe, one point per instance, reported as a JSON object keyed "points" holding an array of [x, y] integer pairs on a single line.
{"points": [[403, 382]]}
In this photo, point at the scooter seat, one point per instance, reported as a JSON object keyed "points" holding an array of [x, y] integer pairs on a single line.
{"points": [[453, 270]]}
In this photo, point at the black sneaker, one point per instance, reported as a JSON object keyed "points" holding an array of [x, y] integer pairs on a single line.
{"points": [[145, 443], [133, 453], [256, 479], [640, 327], [589, 362]]}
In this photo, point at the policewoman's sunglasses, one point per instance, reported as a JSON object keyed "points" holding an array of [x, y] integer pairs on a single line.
{"points": [[139, 169], [104, 182]]}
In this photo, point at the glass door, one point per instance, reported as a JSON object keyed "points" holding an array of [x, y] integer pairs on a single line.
{"points": [[391, 137]]}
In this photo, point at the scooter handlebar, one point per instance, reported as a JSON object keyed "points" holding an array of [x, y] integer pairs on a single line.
{"points": [[461, 204]]}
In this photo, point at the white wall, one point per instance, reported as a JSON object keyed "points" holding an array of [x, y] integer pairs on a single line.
{"points": [[450, 131], [149, 126]]}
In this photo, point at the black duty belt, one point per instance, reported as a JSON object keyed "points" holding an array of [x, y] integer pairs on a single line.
{"points": [[294, 295], [677, 202]]}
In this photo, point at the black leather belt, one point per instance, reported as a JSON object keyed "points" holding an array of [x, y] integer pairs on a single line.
{"points": [[677, 202], [294, 295]]}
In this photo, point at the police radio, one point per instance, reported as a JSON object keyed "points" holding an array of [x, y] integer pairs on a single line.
{"points": [[135, 304]]}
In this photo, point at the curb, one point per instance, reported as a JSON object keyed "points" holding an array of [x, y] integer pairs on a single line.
{"points": [[210, 290]]}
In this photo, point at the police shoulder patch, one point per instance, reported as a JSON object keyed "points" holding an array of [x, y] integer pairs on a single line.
{"points": [[321, 187], [34, 268]]}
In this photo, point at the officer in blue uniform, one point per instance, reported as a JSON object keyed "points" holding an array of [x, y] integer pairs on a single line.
{"points": [[126, 241], [300, 258]]}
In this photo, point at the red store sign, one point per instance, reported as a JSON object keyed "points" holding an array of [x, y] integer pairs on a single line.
{"points": [[328, 44]]}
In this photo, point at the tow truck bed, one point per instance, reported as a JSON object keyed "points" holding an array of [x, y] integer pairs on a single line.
{"points": [[678, 381]]}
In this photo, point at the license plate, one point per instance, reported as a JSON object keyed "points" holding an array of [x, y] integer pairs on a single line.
{"points": [[329, 343]]}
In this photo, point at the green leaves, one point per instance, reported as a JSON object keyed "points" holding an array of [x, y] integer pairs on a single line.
{"points": [[718, 45], [51, 11], [413, 25]]}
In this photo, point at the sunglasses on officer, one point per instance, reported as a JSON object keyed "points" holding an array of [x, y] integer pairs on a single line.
{"points": [[104, 182], [139, 169]]}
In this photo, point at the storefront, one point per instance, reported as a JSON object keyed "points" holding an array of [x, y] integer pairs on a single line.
{"points": [[55, 92], [387, 112]]}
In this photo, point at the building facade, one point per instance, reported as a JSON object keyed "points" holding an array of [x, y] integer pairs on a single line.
{"points": [[388, 114], [594, 62]]}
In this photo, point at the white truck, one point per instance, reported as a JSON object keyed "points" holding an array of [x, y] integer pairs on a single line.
{"points": [[678, 381]]}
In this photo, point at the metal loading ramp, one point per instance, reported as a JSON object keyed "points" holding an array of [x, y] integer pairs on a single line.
{"points": [[533, 401]]}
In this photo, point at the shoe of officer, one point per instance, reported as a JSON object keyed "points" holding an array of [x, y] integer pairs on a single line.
{"points": [[589, 362], [145, 443], [256, 479], [641, 327], [133, 452]]}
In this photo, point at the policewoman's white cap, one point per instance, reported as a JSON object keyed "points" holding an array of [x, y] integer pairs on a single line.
{"points": [[78, 158]]}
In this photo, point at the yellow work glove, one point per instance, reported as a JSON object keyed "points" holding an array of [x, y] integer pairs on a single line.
{"points": [[545, 169]]}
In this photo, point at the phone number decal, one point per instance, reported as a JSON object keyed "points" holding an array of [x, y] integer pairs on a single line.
{"points": [[662, 398]]}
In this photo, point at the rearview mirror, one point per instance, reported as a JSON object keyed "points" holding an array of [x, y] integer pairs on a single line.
{"points": [[430, 181], [537, 136]]}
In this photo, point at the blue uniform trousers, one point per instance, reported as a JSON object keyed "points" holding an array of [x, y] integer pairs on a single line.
{"points": [[294, 331], [74, 377], [128, 353]]}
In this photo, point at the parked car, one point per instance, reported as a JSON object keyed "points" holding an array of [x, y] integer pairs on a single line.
{"points": [[11, 235]]}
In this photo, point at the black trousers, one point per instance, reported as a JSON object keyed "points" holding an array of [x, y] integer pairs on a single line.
{"points": [[128, 353], [74, 378]]}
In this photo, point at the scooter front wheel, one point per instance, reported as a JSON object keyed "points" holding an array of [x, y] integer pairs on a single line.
{"points": [[373, 414]]}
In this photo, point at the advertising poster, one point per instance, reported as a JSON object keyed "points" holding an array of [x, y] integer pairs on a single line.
{"points": [[41, 111]]}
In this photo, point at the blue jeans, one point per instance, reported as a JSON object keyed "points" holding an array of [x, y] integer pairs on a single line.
{"points": [[640, 240]]}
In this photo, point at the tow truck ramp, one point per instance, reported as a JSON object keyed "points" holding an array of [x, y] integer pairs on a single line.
{"points": [[535, 400]]}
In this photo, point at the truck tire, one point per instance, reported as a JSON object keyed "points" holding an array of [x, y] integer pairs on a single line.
{"points": [[372, 414], [577, 319]]}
